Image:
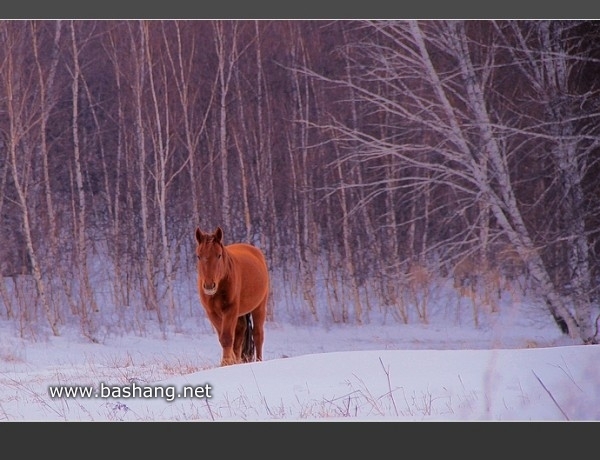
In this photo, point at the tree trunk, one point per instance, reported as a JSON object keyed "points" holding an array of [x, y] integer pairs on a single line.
{"points": [[86, 294]]}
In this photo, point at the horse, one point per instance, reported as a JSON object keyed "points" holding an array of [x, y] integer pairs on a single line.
{"points": [[233, 285]]}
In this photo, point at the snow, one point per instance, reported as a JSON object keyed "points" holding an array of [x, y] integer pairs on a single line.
{"points": [[515, 365]]}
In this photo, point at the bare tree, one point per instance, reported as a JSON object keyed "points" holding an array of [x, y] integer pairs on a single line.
{"points": [[120, 178], [225, 36], [549, 55], [87, 301], [21, 107], [438, 79], [183, 64], [139, 37], [367, 157]]}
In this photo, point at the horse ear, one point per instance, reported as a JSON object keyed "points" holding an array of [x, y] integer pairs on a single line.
{"points": [[218, 234], [199, 235]]}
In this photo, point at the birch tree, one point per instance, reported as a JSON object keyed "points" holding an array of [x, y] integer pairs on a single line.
{"points": [[225, 37], [87, 301], [439, 80], [549, 55], [182, 59], [138, 38], [117, 234], [21, 107]]}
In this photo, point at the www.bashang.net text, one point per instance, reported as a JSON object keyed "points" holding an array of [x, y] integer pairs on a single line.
{"points": [[167, 392]]}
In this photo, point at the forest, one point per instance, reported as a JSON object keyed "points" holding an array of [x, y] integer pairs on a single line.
{"points": [[368, 159]]}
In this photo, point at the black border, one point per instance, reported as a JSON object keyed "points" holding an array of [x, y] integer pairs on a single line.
{"points": [[244, 9], [300, 439]]}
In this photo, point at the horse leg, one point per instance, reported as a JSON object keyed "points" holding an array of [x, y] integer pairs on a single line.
{"points": [[239, 339], [226, 338], [216, 321], [258, 317]]}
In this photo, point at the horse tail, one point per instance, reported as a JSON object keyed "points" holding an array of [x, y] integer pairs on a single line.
{"points": [[248, 350]]}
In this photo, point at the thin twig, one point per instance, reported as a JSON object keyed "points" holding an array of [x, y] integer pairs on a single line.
{"points": [[387, 373], [550, 394]]}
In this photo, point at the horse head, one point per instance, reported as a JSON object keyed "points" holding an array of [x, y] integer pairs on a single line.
{"points": [[211, 261]]}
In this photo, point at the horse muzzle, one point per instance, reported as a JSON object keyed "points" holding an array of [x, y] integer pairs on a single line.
{"points": [[209, 288]]}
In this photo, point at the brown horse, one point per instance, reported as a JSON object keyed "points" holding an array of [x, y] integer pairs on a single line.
{"points": [[233, 283]]}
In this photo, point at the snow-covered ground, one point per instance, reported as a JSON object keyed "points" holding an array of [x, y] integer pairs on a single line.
{"points": [[515, 366]]}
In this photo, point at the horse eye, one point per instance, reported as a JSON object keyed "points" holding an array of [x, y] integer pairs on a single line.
{"points": [[218, 256]]}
